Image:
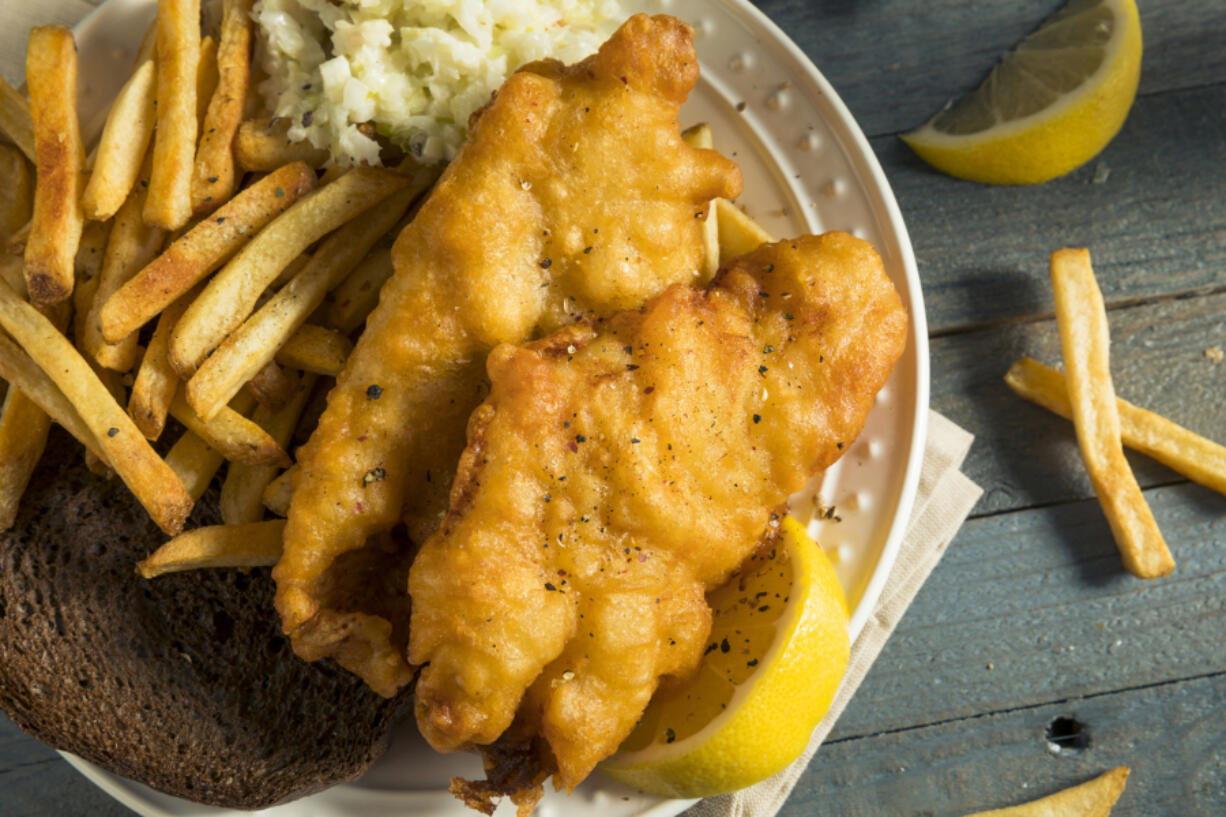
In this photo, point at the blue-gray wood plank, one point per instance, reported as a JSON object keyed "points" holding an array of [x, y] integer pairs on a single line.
{"points": [[1029, 616]]}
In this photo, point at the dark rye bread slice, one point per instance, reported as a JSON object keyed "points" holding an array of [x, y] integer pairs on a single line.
{"points": [[185, 682]]}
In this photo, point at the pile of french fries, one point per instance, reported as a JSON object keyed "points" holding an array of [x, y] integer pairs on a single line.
{"points": [[1085, 394], [192, 264]]}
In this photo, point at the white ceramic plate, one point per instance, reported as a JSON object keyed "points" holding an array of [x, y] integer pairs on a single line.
{"points": [[807, 168]]}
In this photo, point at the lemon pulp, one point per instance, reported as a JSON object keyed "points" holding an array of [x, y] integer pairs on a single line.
{"points": [[1049, 106], [777, 651]]}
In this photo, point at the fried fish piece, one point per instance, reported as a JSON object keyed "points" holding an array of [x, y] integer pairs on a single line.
{"points": [[575, 195], [617, 472]]}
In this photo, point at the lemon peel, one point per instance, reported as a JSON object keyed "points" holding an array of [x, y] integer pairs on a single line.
{"points": [[779, 648], [1049, 106]]}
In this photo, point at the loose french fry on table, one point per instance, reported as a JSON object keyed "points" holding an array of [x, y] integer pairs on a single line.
{"points": [[15, 120], [55, 229], [195, 462], [262, 145], [277, 495], [232, 293], [137, 464], [23, 436], [738, 233], [1094, 798], [203, 249], [699, 136], [315, 349], [131, 245], [1197, 458], [156, 380], [23, 373], [123, 145], [169, 204], [254, 545], [1085, 346], [16, 191], [243, 489], [257, 341], [235, 437], [271, 386], [214, 177]]}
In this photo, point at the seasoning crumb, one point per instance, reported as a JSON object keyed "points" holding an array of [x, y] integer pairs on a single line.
{"points": [[374, 475], [1214, 354]]}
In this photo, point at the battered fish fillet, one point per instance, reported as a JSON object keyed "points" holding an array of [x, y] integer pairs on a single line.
{"points": [[574, 195], [617, 472]]}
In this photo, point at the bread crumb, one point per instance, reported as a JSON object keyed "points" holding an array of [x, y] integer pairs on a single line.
{"points": [[1215, 354]]}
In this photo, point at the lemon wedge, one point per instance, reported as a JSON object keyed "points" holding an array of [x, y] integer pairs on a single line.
{"points": [[778, 649], [1049, 106]]}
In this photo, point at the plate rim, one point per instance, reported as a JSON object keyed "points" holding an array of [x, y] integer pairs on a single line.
{"points": [[861, 158]]}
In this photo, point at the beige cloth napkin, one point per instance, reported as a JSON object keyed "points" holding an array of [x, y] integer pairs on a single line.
{"points": [[942, 503]]}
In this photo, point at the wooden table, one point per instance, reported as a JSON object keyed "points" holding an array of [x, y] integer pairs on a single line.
{"points": [[1029, 621]]}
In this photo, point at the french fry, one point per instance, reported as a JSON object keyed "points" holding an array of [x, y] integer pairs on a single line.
{"points": [[206, 77], [315, 349], [232, 435], [243, 488], [91, 252], [1094, 798], [270, 386], [169, 204], [16, 191], [1085, 346], [55, 230], [22, 373], [127, 451], [213, 179], [254, 545], [290, 272], [277, 495], [195, 462], [738, 233], [15, 120], [148, 49], [358, 294], [257, 340], [232, 293], [123, 145], [16, 243], [1197, 458], [203, 249], [23, 436], [131, 245], [156, 380], [262, 144], [699, 136]]}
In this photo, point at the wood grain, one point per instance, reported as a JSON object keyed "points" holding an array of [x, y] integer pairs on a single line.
{"points": [[1156, 226], [1173, 736], [1024, 456], [896, 62], [1034, 606]]}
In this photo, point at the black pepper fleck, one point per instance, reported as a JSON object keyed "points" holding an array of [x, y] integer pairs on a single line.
{"points": [[112, 431]]}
